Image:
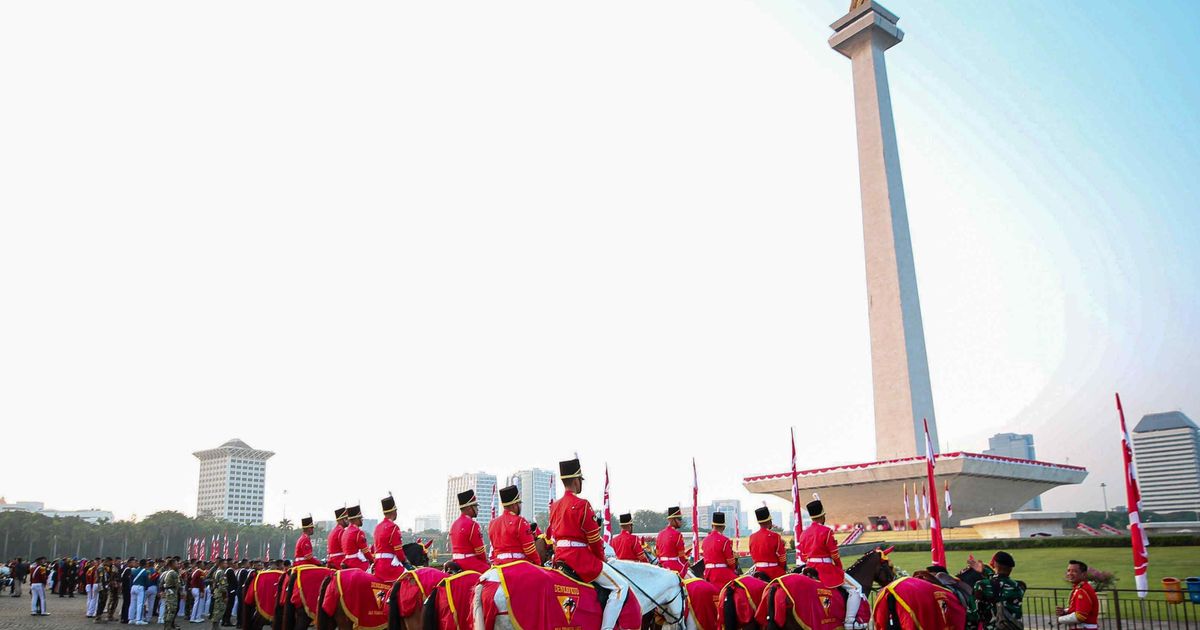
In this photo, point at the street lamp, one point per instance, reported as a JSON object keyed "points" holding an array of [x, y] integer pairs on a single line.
{"points": [[1104, 493]]}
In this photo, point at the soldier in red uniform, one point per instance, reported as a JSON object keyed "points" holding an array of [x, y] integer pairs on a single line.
{"points": [[354, 542], [512, 539], [669, 545], [304, 548], [625, 544], [1083, 609], [720, 565], [819, 549], [389, 544], [333, 546], [466, 538], [766, 547]]}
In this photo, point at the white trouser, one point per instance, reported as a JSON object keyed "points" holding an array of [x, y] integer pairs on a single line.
{"points": [[207, 601], [197, 604], [93, 597], [37, 598], [137, 601], [151, 593], [616, 597], [854, 597]]}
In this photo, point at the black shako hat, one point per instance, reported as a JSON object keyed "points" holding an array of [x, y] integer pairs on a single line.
{"points": [[388, 503], [762, 514], [339, 513], [570, 469], [509, 495], [306, 521], [354, 512], [625, 519], [718, 518], [815, 509], [466, 499], [674, 512]]}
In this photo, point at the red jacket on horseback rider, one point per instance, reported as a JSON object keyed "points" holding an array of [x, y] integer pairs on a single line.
{"points": [[819, 550], [766, 547], [388, 544], [354, 542], [720, 564], [669, 545], [573, 526], [333, 546], [512, 540], [625, 544], [304, 548], [466, 538]]}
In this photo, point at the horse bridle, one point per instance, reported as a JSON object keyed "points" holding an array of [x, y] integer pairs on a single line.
{"points": [[659, 606]]}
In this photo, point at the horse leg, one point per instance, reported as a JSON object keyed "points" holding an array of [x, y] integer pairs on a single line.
{"points": [[412, 622], [342, 620]]}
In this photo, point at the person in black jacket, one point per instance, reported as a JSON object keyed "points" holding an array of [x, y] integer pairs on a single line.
{"points": [[231, 593], [126, 585]]}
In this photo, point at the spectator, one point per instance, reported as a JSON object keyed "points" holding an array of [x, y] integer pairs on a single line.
{"points": [[126, 587], [999, 597], [20, 570], [1083, 609], [138, 582], [37, 588]]}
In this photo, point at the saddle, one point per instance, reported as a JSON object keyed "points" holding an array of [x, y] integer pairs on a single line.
{"points": [[962, 590], [601, 592]]}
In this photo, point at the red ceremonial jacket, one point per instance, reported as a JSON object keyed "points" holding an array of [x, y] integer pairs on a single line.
{"points": [[333, 550], [1085, 604], [818, 549], [38, 575], [304, 550], [768, 552], [576, 536], [511, 539], [628, 547], [90, 576], [466, 544], [719, 561], [388, 539], [670, 547], [197, 579], [354, 541]]}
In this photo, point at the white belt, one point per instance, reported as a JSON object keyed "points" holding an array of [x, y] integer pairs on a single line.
{"points": [[1089, 626], [462, 556], [819, 561], [336, 554], [385, 556], [766, 564], [510, 556], [358, 554], [570, 543]]}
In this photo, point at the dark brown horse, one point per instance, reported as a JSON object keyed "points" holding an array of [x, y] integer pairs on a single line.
{"points": [[872, 569]]}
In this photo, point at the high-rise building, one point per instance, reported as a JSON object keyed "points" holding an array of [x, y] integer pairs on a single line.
{"points": [[1016, 446], [537, 491], [484, 485], [232, 477], [732, 509], [1166, 451], [426, 522]]}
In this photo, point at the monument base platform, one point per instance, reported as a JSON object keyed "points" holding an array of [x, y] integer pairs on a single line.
{"points": [[981, 485], [1019, 524]]}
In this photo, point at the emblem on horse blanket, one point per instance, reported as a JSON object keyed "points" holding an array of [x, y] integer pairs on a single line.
{"points": [[415, 587], [919, 605], [455, 600], [363, 599], [812, 605], [307, 589], [702, 602], [745, 591], [548, 599], [262, 592]]}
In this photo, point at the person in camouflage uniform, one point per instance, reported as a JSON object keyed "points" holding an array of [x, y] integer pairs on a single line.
{"points": [[103, 573], [170, 594], [113, 586], [994, 585], [220, 592]]}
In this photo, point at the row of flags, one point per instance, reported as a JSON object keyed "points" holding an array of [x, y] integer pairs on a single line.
{"points": [[208, 549], [921, 510]]}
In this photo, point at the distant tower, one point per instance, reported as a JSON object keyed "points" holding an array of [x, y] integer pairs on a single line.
{"points": [[1017, 446], [899, 366], [1166, 450], [537, 490], [484, 485], [232, 477]]}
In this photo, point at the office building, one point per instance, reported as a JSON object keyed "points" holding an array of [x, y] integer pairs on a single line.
{"points": [[232, 478], [1166, 452], [538, 489], [1016, 446], [426, 522], [484, 485]]}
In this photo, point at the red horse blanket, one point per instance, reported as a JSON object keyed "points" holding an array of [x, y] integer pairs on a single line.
{"points": [[262, 592], [363, 599], [746, 592], [809, 603], [307, 590], [548, 599], [455, 595], [919, 605], [702, 603], [415, 587]]}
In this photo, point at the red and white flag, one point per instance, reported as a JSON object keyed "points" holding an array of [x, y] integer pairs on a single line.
{"points": [[949, 505], [225, 546], [695, 514], [1133, 499], [907, 516], [268, 556], [236, 547], [924, 505], [607, 509], [936, 547], [915, 523], [495, 499], [737, 531], [799, 525], [550, 501]]}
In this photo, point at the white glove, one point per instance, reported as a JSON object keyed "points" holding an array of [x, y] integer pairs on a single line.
{"points": [[396, 562], [1069, 618]]}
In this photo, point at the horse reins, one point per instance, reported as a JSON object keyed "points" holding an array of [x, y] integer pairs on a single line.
{"points": [[661, 607]]}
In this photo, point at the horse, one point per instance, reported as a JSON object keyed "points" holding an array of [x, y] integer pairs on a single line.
{"points": [[360, 586], [258, 603], [301, 596], [739, 601], [409, 593], [873, 568], [923, 603], [660, 593]]}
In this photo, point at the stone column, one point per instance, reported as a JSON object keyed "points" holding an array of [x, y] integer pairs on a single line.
{"points": [[899, 366]]}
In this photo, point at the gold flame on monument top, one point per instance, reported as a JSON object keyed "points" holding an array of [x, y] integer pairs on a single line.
{"points": [[854, 4]]}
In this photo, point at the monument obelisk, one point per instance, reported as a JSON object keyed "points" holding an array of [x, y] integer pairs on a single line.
{"points": [[899, 365]]}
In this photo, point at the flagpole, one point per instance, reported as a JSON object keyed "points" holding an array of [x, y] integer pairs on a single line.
{"points": [[607, 509], [1133, 502], [936, 547], [695, 514], [798, 524]]}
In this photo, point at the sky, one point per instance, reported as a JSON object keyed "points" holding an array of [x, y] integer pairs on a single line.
{"points": [[394, 242]]}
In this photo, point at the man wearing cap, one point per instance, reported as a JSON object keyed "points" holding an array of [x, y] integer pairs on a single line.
{"points": [[466, 537], [625, 545], [389, 544], [333, 546], [669, 545], [818, 549], [766, 546], [994, 585], [304, 547], [511, 537], [354, 542], [720, 565], [37, 587]]}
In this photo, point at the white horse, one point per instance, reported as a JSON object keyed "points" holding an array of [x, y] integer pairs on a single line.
{"points": [[656, 589]]}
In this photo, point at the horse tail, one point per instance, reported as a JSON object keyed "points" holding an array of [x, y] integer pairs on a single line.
{"points": [[429, 612], [289, 609], [769, 602], [395, 621], [324, 620], [729, 608]]}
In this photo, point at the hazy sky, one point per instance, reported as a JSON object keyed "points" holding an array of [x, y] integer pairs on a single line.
{"points": [[398, 241]]}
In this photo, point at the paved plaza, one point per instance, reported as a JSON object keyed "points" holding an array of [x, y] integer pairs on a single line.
{"points": [[65, 613]]}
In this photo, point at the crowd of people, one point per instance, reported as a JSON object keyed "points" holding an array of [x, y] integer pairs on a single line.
{"points": [[136, 591]]}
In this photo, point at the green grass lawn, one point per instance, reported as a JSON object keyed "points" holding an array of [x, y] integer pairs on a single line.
{"points": [[1045, 567]]}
